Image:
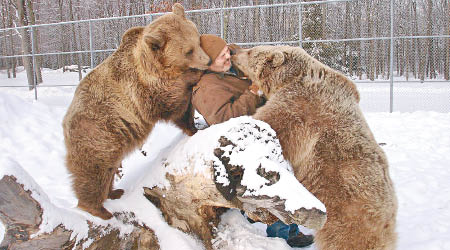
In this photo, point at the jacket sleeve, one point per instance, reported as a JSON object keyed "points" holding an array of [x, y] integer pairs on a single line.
{"points": [[217, 104]]}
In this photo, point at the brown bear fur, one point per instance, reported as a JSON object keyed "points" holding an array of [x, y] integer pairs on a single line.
{"points": [[148, 78], [315, 113]]}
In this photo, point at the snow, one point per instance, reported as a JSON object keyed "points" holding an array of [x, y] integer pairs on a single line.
{"points": [[417, 145], [2, 231], [255, 145]]}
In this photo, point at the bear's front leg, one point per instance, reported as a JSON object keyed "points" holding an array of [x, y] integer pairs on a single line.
{"points": [[186, 119], [186, 122]]}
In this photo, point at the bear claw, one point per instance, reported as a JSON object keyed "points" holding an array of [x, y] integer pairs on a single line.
{"points": [[99, 212], [115, 194]]}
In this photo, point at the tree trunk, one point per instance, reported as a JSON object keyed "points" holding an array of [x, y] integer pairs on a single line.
{"points": [[447, 53], [22, 214], [256, 23], [407, 60], [270, 20], [12, 60], [26, 50], [5, 39], [225, 22], [379, 44], [358, 44], [346, 36], [413, 54], [37, 60], [370, 57], [62, 59], [431, 70], [403, 56], [421, 70], [75, 42]]}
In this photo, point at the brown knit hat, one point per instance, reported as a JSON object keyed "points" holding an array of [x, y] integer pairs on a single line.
{"points": [[212, 45]]}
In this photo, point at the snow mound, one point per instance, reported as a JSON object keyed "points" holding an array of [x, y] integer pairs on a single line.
{"points": [[242, 148]]}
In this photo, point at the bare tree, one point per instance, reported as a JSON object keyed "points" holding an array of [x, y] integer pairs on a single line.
{"points": [[5, 39], [75, 43], [37, 61], [62, 59], [26, 50], [226, 20], [370, 58], [346, 36], [447, 54], [358, 34], [11, 41], [430, 69], [256, 22]]}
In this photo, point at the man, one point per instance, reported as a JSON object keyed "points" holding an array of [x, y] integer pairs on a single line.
{"points": [[222, 94]]}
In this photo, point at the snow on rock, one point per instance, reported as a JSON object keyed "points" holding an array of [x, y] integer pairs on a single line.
{"points": [[253, 145], [52, 216], [250, 144], [236, 233]]}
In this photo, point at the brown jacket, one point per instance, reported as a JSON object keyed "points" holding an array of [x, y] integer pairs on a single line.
{"points": [[222, 96]]}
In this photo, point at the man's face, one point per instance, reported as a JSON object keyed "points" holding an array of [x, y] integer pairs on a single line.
{"points": [[222, 62]]}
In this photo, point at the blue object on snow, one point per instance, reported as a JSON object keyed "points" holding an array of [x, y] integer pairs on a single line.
{"points": [[281, 230]]}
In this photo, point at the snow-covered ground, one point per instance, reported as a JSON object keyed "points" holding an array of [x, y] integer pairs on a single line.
{"points": [[417, 145]]}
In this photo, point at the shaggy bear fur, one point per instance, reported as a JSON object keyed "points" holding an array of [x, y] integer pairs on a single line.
{"points": [[315, 113], [115, 107]]}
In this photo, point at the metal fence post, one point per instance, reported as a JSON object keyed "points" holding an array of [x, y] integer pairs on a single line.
{"points": [[34, 64], [391, 88], [300, 24], [90, 44]]}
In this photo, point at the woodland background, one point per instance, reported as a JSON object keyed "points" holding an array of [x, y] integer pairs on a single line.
{"points": [[352, 36]]}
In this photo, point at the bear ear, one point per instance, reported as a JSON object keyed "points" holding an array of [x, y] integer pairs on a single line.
{"points": [[155, 42], [277, 58], [178, 9], [132, 34]]}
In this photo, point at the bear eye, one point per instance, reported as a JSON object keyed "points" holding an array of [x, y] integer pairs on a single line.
{"points": [[155, 47], [190, 52]]}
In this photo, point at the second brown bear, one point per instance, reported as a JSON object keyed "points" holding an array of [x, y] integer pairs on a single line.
{"points": [[315, 112]]}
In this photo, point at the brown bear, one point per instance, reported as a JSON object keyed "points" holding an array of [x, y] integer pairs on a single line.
{"points": [[148, 78], [315, 112]]}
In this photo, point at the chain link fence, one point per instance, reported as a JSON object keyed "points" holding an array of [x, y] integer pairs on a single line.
{"points": [[396, 51]]}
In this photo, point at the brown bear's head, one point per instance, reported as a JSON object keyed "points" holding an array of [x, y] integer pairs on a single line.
{"points": [[170, 45], [266, 66], [272, 67]]}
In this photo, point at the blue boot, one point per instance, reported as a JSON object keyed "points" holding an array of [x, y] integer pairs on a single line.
{"points": [[290, 233]]}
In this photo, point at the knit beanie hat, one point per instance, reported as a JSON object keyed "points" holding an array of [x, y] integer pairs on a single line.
{"points": [[212, 45]]}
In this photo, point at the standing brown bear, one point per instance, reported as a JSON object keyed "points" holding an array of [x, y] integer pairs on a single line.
{"points": [[148, 78], [315, 113]]}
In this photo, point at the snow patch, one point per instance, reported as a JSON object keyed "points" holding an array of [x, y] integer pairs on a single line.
{"points": [[2, 231], [236, 233]]}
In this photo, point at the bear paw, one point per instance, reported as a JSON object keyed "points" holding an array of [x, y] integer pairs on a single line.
{"points": [[115, 194], [99, 212]]}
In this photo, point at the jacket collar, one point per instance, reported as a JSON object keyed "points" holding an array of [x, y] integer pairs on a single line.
{"points": [[221, 75]]}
